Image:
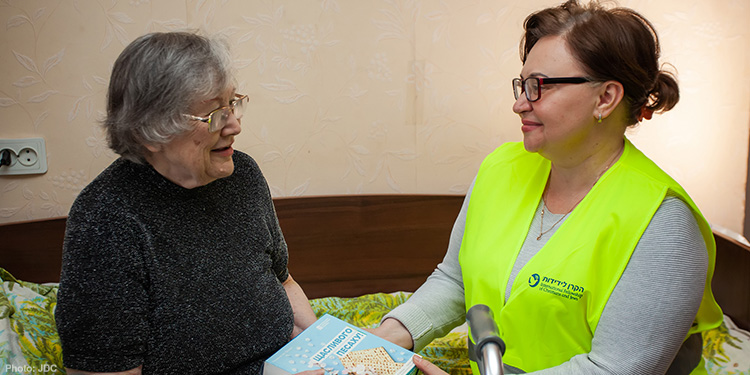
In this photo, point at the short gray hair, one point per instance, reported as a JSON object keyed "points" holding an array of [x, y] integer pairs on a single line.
{"points": [[154, 81]]}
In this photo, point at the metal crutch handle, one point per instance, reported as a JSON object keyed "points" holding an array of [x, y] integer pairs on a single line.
{"points": [[489, 347]]}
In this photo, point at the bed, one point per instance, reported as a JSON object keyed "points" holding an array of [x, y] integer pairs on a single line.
{"points": [[357, 257]]}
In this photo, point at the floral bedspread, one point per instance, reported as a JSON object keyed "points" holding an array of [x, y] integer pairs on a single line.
{"points": [[28, 336], [29, 343]]}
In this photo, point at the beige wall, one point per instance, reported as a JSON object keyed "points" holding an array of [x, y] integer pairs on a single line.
{"points": [[361, 96]]}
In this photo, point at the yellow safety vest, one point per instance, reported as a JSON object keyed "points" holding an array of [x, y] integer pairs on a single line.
{"points": [[558, 297]]}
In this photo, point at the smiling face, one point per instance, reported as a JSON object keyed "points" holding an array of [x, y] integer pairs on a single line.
{"points": [[198, 157], [562, 122]]}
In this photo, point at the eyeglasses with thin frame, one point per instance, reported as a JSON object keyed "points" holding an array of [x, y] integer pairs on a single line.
{"points": [[217, 119], [532, 86]]}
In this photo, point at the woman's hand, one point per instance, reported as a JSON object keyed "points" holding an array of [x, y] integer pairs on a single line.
{"points": [[395, 332], [319, 371], [427, 367]]}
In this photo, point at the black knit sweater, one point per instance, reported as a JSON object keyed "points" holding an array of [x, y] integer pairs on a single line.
{"points": [[181, 281]]}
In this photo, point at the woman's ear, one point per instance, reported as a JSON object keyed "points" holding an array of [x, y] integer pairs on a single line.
{"points": [[153, 147], [610, 96]]}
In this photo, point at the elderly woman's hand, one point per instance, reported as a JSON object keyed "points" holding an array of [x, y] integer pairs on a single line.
{"points": [[319, 371], [427, 367]]}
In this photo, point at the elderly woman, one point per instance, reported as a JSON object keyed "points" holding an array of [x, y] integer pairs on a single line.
{"points": [[593, 260], [173, 260]]}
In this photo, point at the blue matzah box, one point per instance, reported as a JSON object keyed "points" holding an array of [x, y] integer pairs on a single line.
{"points": [[325, 342]]}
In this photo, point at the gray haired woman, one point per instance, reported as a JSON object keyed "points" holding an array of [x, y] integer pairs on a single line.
{"points": [[173, 260]]}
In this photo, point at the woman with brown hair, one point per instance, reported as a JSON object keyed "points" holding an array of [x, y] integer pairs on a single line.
{"points": [[593, 260]]}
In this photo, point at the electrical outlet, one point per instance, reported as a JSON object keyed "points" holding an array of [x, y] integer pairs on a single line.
{"points": [[27, 156]]}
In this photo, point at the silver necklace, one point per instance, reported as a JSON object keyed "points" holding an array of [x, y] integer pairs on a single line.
{"points": [[542, 232]]}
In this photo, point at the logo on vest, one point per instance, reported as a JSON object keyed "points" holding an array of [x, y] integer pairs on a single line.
{"points": [[556, 287], [534, 280]]}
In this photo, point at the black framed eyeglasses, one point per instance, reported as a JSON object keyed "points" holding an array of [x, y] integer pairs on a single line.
{"points": [[217, 119], [532, 86]]}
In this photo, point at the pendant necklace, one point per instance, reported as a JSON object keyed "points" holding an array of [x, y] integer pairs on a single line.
{"points": [[542, 232], [544, 205]]}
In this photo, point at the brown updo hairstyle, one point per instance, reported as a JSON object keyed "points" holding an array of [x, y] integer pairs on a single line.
{"points": [[611, 44]]}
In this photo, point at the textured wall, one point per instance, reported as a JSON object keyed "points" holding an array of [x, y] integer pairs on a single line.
{"points": [[360, 96]]}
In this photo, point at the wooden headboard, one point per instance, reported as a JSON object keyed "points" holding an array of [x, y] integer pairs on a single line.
{"points": [[357, 244], [731, 282], [352, 245], [338, 245]]}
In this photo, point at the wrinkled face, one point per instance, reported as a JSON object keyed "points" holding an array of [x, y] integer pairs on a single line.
{"points": [[198, 157], [562, 120]]}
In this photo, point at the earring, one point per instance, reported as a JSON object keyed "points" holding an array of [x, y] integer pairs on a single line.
{"points": [[600, 117]]}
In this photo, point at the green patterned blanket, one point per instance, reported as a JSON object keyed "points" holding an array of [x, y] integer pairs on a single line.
{"points": [[29, 343]]}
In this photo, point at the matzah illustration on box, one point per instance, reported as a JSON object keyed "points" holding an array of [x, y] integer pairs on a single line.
{"points": [[340, 349]]}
